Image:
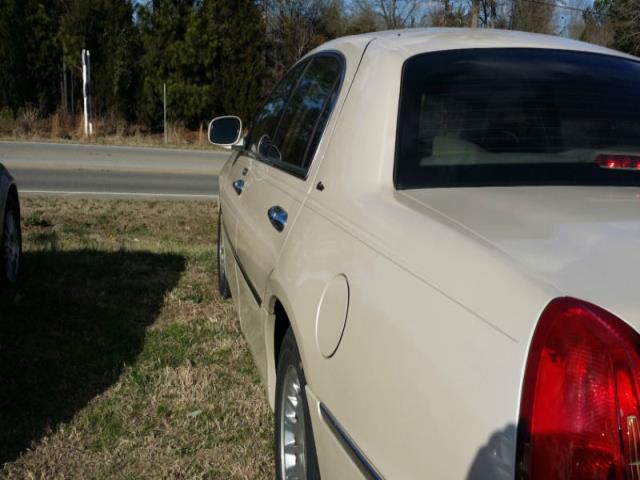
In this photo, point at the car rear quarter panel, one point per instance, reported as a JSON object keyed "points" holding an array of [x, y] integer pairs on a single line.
{"points": [[419, 381], [427, 376]]}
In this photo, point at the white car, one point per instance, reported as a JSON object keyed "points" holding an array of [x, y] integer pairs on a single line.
{"points": [[432, 238]]}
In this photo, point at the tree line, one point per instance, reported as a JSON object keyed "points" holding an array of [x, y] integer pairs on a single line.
{"points": [[222, 56]]}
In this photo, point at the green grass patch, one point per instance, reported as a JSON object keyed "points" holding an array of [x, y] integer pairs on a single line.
{"points": [[118, 357]]}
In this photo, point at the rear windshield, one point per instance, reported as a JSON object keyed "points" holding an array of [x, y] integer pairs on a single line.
{"points": [[508, 117]]}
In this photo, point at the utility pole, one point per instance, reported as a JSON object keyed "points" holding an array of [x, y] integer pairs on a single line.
{"points": [[86, 91], [165, 111], [64, 92]]}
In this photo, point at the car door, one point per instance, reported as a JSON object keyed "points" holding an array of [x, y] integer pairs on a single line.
{"points": [[231, 186], [235, 178], [242, 176], [277, 186]]}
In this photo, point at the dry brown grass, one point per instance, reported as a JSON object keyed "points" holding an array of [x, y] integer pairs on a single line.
{"points": [[118, 357], [107, 130]]}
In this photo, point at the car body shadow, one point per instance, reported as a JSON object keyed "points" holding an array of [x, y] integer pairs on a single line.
{"points": [[78, 318], [496, 459]]}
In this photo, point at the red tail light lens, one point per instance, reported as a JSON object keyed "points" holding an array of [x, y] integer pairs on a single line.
{"points": [[619, 162], [579, 415]]}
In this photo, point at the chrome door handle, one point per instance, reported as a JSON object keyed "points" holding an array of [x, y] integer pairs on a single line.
{"points": [[278, 217], [238, 186]]}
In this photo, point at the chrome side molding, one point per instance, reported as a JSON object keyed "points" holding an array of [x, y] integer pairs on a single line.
{"points": [[357, 456]]}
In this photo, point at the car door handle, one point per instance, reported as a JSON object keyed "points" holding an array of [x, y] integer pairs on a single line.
{"points": [[238, 186], [278, 217]]}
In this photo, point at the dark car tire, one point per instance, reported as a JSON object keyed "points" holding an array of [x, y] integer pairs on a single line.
{"points": [[11, 244], [223, 283], [290, 368]]}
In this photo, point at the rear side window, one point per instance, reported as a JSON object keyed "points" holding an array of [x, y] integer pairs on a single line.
{"points": [[518, 117]]}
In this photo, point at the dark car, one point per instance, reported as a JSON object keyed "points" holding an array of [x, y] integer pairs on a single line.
{"points": [[10, 232]]}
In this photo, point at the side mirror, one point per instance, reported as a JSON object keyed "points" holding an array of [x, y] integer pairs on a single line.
{"points": [[225, 131]]}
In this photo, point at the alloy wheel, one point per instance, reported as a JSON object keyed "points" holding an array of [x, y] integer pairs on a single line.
{"points": [[292, 428]]}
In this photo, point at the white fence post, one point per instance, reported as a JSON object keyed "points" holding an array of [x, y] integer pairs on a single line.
{"points": [[86, 91], [165, 111]]}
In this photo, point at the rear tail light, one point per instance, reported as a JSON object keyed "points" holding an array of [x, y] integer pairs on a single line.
{"points": [[579, 413], [619, 162]]}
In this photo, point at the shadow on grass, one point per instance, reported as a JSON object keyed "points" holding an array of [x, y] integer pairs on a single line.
{"points": [[78, 318]]}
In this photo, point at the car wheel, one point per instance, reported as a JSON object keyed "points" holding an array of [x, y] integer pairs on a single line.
{"points": [[11, 245], [223, 283], [294, 446]]}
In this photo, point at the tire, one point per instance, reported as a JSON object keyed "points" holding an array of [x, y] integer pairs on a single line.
{"points": [[292, 434], [223, 283], [11, 244]]}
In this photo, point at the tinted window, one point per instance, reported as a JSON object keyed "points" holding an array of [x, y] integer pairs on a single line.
{"points": [[307, 111], [516, 117], [266, 121]]}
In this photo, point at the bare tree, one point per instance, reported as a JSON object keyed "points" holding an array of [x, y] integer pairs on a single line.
{"points": [[533, 16], [446, 14], [598, 32], [363, 20], [293, 28], [484, 13], [488, 13], [393, 13], [592, 22], [476, 13], [624, 16], [575, 26]]}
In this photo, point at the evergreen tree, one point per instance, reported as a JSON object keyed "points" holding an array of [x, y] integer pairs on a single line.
{"points": [[163, 24], [12, 54], [209, 53], [232, 55], [29, 54], [106, 28]]}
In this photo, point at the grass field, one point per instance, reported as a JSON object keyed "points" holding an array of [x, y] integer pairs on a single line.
{"points": [[118, 359]]}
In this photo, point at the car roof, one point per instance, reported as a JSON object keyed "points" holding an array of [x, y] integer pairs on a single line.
{"points": [[409, 42]]}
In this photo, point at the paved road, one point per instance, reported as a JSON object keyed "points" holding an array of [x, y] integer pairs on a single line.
{"points": [[114, 183], [106, 171]]}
